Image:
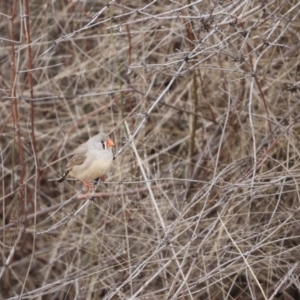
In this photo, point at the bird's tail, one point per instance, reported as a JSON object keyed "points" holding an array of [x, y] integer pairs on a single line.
{"points": [[62, 178]]}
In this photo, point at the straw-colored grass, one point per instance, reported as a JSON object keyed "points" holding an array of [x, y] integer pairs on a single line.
{"points": [[202, 101]]}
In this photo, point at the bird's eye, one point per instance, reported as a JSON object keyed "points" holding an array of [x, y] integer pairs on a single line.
{"points": [[103, 144]]}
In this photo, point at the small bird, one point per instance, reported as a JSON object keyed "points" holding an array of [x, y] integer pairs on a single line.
{"points": [[90, 160]]}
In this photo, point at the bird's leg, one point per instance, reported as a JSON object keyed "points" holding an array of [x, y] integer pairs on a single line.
{"points": [[88, 185], [91, 187]]}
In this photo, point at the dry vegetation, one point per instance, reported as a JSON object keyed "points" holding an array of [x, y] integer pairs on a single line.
{"points": [[202, 101]]}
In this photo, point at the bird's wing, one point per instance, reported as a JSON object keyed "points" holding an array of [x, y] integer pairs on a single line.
{"points": [[77, 159]]}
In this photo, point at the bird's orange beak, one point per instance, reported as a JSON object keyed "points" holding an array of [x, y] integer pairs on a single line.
{"points": [[110, 143]]}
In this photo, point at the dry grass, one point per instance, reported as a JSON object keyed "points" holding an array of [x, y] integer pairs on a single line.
{"points": [[204, 201]]}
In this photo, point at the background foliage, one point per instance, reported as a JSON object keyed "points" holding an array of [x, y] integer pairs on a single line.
{"points": [[202, 101]]}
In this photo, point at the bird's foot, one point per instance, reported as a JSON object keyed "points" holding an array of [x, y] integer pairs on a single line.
{"points": [[88, 185]]}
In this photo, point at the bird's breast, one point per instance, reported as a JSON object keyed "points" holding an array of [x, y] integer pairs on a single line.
{"points": [[94, 167]]}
